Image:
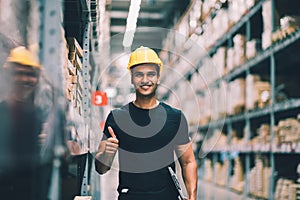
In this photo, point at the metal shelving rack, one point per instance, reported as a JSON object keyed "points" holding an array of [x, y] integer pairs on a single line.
{"points": [[79, 23], [270, 112], [48, 27], [217, 44]]}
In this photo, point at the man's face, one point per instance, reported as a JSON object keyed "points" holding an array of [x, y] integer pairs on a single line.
{"points": [[23, 80], [145, 79]]}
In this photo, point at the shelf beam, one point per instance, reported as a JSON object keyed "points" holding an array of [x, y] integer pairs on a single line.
{"points": [[278, 107]]}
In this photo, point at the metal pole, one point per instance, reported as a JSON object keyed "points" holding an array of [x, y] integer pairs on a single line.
{"points": [[272, 124], [86, 93], [229, 130], [51, 58]]}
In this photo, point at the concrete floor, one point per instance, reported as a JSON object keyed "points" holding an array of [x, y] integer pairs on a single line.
{"points": [[206, 191]]}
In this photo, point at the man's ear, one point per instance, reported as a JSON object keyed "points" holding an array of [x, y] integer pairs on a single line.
{"points": [[131, 75]]}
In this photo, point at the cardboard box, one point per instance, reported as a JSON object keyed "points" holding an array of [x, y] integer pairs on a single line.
{"points": [[83, 198]]}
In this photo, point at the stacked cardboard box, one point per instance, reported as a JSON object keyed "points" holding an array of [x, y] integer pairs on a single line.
{"points": [[288, 25], [221, 170], [263, 137], [258, 93], [74, 68], [220, 23], [217, 141], [259, 178], [238, 8], [83, 198], [239, 46], [252, 47], [206, 111], [208, 170], [236, 96], [268, 22], [286, 189], [237, 180], [219, 59], [218, 99], [230, 59], [217, 25], [287, 135]]}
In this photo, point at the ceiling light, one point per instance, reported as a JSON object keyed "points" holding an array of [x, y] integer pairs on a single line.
{"points": [[131, 23]]}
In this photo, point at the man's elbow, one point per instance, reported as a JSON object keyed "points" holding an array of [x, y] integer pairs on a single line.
{"points": [[100, 170], [100, 167]]}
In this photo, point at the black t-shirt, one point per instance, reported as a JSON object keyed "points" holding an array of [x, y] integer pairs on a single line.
{"points": [[20, 126], [147, 140], [21, 174]]}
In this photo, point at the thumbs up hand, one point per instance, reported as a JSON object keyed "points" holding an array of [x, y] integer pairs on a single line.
{"points": [[112, 143]]}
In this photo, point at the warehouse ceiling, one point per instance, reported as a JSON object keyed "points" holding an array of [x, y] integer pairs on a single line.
{"points": [[154, 18]]}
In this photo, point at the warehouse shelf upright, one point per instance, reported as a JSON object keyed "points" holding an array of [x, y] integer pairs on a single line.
{"points": [[51, 59], [86, 21], [69, 31], [275, 62]]}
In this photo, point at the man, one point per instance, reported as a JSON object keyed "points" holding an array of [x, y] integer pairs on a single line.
{"points": [[21, 175], [146, 133]]}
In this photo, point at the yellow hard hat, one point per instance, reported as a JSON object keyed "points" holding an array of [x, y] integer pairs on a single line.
{"points": [[23, 56], [143, 55]]}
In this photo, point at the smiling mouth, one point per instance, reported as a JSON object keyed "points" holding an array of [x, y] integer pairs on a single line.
{"points": [[145, 84], [145, 87]]}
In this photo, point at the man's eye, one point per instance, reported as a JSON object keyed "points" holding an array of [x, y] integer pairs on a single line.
{"points": [[151, 74], [138, 75]]}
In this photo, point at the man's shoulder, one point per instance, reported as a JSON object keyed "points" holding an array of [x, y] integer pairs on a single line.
{"points": [[120, 110], [170, 108]]}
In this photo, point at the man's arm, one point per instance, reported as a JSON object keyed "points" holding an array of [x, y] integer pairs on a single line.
{"points": [[189, 169], [106, 153]]}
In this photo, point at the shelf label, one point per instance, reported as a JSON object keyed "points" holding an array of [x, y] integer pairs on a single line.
{"points": [[99, 98]]}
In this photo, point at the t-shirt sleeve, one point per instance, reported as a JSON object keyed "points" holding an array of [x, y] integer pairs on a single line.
{"points": [[182, 136]]}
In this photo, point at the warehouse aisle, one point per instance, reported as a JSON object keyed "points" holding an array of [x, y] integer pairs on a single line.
{"points": [[206, 190]]}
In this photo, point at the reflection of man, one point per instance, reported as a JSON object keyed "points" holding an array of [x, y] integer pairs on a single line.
{"points": [[146, 133], [21, 125]]}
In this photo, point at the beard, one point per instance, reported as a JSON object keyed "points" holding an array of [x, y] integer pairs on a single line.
{"points": [[24, 93], [139, 91]]}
